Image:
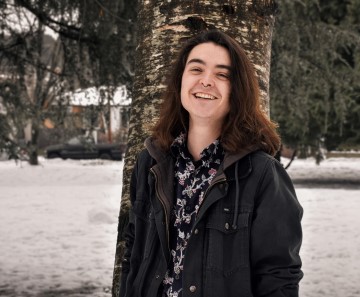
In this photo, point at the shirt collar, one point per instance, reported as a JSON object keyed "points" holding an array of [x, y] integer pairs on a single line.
{"points": [[211, 152]]}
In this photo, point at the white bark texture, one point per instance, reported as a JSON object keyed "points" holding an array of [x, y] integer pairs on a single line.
{"points": [[163, 26]]}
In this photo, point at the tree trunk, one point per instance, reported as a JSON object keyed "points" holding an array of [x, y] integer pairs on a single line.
{"points": [[162, 28], [33, 144]]}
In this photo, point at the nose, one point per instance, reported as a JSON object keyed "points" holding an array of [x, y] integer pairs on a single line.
{"points": [[206, 81]]}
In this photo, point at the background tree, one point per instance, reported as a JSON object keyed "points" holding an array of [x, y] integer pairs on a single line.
{"points": [[315, 74], [93, 47], [163, 26]]}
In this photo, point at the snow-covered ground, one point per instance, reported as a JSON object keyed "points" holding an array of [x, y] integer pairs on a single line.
{"points": [[58, 227]]}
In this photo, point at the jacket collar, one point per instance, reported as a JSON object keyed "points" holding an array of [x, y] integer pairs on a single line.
{"points": [[230, 158], [155, 152]]}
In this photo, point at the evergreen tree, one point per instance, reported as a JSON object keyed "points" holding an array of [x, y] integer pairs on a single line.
{"points": [[92, 47], [315, 73]]}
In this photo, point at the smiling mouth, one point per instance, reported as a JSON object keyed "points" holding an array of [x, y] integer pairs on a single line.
{"points": [[204, 96]]}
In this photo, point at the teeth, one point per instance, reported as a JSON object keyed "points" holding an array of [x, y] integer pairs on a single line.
{"points": [[204, 96]]}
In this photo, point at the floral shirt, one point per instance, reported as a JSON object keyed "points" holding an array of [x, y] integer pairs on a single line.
{"points": [[192, 178]]}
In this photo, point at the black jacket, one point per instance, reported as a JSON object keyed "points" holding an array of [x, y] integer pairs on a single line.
{"points": [[245, 241]]}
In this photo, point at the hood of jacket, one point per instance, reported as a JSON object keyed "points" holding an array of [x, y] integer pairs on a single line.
{"points": [[160, 155]]}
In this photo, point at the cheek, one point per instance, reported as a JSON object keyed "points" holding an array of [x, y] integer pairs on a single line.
{"points": [[183, 96], [227, 92], [182, 87], [185, 83], [185, 88]]}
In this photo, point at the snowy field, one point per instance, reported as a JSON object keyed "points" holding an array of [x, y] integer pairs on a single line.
{"points": [[58, 226]]}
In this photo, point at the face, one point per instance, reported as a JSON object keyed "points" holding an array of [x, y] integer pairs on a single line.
{"points": [[205, 85]]}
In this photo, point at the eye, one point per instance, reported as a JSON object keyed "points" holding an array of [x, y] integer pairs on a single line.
{"points": [[195, 70], [223, 75]]}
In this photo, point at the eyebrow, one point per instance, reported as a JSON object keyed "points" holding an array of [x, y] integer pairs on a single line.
{"points": [[195, 60]]}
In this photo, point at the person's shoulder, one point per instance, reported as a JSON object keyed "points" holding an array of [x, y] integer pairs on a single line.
{"points": [[261, 156], [143, 154], [261, 159], [144, 157]]}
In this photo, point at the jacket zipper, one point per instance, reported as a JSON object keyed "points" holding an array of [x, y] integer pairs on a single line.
{"points": [[223, 179], [163, 205]]}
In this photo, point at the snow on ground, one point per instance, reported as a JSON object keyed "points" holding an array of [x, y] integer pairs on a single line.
{"points": [[58, 227], [331, 242], [331, 172]]}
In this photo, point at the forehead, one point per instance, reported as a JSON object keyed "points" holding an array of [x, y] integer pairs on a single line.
{"points": [[210, 53]]}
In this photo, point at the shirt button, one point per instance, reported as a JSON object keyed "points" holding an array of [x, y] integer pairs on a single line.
{"points": [[196, 231], [192, 289]]}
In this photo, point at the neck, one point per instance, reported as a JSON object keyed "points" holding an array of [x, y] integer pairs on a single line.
{"points": [[200, 137]]}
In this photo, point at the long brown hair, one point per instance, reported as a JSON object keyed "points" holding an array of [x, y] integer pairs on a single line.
{"points": [[245, 125]]}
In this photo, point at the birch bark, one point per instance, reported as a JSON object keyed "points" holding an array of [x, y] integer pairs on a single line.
{"points": [[163, 26]]}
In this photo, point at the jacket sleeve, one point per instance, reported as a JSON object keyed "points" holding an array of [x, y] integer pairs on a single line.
{"points": [[276, 235], [129, 236]]}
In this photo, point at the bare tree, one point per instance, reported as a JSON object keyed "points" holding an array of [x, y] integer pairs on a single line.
{"points": [[33, 63], [162, 27]]}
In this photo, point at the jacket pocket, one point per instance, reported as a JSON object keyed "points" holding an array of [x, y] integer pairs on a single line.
{"points": [[228, 247]]}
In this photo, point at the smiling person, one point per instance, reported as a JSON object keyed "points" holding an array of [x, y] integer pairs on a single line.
{"points": [[213, 213]]}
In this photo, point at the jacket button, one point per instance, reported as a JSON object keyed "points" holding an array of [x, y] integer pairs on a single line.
{"points": [[227, 226], [157, 276], [196, 231], [192, 289]]}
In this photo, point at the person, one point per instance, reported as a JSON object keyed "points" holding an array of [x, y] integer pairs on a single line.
{"points": [[213, 213]]}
